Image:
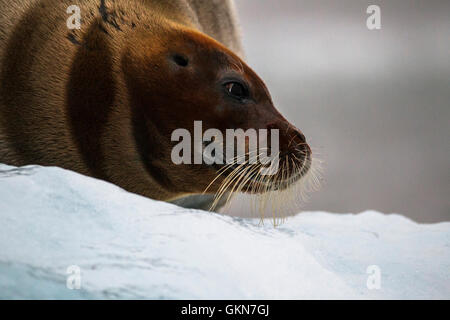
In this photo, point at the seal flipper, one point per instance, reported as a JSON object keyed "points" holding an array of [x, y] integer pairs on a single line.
{"points": [[200, 202]]}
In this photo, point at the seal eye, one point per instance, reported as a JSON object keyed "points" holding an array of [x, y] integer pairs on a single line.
{"points": [[180, 60], [236, 90]]}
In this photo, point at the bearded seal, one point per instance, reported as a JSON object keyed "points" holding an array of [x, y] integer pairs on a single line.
{"points": [[104, 99]]}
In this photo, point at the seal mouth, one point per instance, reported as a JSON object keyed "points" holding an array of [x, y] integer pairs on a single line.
{"points": [[248, 178]]}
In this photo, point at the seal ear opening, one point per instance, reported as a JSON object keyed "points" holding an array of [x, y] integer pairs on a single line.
{"points": [[180, 60]]}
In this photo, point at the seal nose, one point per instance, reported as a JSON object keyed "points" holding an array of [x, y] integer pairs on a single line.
{"points": [[300, 142], [291, 139], [300, 136]]}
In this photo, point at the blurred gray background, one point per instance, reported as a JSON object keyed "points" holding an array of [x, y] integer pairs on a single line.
{"points": [[374, 104]]}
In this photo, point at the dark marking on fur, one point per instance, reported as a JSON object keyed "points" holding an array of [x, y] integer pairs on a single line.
{"points": [[72, 39], [145, 138], [108, 17], [102, 29], [90, 95], [16, 79], [103, 11]]}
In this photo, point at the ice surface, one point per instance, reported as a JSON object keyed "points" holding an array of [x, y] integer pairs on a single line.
{"points": [[128, 246]]}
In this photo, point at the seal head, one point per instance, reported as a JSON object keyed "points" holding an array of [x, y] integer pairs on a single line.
{"points": [[179, 76]]}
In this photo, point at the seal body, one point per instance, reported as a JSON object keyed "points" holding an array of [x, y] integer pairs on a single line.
{"points": [[102, 100]]}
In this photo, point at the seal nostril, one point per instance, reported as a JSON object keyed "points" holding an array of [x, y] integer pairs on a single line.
{"points": [[301, 136]]}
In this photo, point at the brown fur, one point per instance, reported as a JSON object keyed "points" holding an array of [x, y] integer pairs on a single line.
{"points": [[104, 100]]}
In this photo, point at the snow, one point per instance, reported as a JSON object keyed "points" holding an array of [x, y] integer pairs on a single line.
{"points": [[127, 246]]}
